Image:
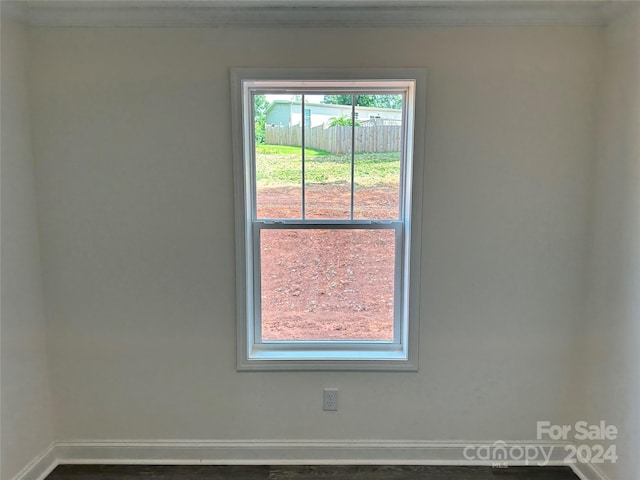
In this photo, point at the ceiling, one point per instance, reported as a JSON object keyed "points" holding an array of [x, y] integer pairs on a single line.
{"points": [[313, 13]]}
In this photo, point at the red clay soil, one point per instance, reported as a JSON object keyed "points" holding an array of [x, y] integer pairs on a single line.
{"points": [[327, 284]]}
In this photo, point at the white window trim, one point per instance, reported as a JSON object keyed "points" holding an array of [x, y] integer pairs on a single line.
{"points": [[360, 355]]}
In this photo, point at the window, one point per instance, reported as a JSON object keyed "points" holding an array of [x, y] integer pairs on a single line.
{"points": [[328, 220]]}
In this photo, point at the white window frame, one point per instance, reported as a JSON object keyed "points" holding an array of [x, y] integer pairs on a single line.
{"points": [[401, 354]]}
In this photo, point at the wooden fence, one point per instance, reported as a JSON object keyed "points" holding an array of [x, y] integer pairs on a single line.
{"points": [[374, 138]]}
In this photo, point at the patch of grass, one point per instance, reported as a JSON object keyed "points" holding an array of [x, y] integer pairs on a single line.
{"points": [[262, 149], [278, 166]]}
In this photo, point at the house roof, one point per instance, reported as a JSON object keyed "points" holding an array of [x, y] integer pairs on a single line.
{"points": [[327, 105]]}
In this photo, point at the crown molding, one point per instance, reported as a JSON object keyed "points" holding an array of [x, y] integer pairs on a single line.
{"points": [[305, 13]]}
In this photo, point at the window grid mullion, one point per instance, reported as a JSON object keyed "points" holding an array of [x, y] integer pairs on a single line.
{"points": [[353, 149], [304, 215]]}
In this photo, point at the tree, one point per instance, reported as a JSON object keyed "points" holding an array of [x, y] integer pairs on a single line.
{"points": [[377, 101], [342, 121], [260, 105]]}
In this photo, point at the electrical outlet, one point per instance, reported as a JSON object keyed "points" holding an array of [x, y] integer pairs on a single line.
{"points": [[330, 399]]}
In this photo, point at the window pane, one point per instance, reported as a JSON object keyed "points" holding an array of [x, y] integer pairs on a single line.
{"points": [[322, 284], [278, 143], [377, 157], [327, 173]]}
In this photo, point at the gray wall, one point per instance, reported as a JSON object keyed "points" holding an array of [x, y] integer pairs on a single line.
{"points": [[25, 399], [609, 342], [134, 175]]}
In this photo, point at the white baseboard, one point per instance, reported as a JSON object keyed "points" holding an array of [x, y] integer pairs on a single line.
{"points": [[281, 452], [39, 467], [292, 452]]}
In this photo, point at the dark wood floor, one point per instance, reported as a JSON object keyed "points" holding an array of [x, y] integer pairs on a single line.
{"points": [[130, 472]]}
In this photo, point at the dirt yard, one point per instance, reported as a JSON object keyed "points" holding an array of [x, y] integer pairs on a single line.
{"points": [[327, 284]]}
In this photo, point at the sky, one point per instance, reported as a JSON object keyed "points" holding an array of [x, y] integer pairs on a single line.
{"points": [[307, 98]]}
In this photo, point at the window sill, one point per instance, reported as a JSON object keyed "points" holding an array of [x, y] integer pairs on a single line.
{"points": [[386, 358]]}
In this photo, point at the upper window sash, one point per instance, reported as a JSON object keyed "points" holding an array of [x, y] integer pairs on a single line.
{"points": [[395, 87]]}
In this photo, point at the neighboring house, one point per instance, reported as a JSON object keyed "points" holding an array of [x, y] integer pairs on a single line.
{"points": [[289, 113]]}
